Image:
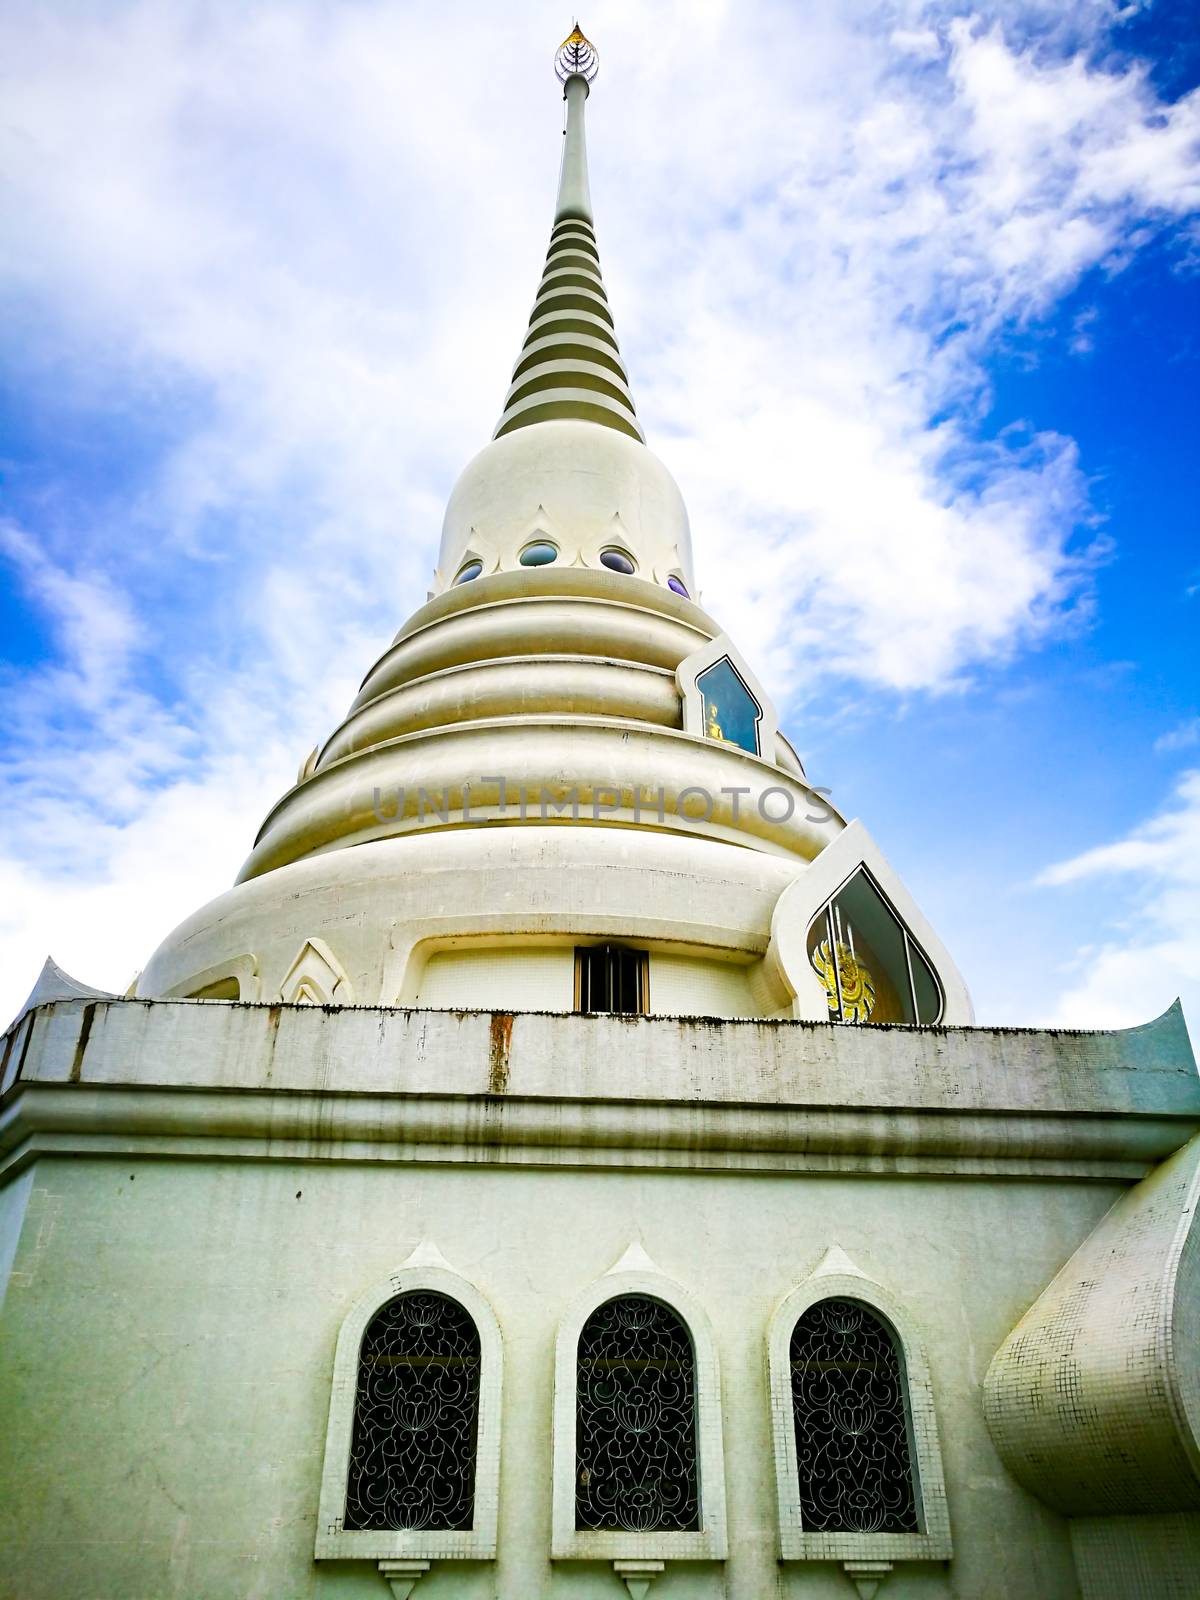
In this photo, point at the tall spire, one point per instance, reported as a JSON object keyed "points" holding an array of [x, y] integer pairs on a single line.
{"points": [[570, 364], [576, 65]]}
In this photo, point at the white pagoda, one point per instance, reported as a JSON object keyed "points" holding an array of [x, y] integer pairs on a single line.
{"points": [[564, 1164]]}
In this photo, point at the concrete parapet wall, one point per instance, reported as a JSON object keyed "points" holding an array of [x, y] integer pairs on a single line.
{"points": [[565, 1088]]}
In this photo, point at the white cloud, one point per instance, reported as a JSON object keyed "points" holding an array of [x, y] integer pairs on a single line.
{"points": [[921, 42], [124, 813], [286, 252], [1151, 954], [1183, 737]]}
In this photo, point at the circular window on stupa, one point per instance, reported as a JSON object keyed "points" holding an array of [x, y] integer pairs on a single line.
{"points": [[471, 570], [539, 554], [617, 561], [677, 584]]}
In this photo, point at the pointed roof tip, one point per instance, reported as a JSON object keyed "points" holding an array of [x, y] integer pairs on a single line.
{"points": [[576, 57], [570, 366], [55, 984]]}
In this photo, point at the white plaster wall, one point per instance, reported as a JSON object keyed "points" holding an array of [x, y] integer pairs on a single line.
{"points": [[375, 904], [167, 1349], [542, 978], [526, 978], [682, 986], [13, 1199], [582, 486]]}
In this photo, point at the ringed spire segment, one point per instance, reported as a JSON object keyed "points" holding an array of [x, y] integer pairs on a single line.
{"points": [[570, 363]]}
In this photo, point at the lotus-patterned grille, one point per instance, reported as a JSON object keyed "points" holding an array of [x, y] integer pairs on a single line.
{"points": [[416, 1418], [852, 1443], [636, 1420]]}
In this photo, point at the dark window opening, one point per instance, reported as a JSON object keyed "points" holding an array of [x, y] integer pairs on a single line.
{"points": [[853, 1449], [608, 977], [636, 1467], [416, 1418], [870, 967], [731, 713]]}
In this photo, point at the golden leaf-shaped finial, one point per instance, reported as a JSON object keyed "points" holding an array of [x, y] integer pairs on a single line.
{"points": [[576, 57]]}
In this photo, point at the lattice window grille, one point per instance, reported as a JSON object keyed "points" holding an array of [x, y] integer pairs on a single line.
{"points": [[636, 1443], [416, 1418], [853, 1445]]}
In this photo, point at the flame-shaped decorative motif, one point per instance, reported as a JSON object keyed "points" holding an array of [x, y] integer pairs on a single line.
{"points": [[848, 1404], [636, 1420], [416, 1418], [857, 984]]}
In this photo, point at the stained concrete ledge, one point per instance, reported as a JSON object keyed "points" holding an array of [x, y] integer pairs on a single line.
{"points": [[213, 1077]]}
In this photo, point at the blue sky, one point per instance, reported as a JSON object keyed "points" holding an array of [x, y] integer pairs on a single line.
{"points": [[910, 297]]}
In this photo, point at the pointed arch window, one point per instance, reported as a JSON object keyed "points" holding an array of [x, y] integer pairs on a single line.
{"points": [[857, 1462], [722, 699], [416, 1418], [637, 1467], [638, 1461], [854, 1460], [731, 712], [412, 1451]]}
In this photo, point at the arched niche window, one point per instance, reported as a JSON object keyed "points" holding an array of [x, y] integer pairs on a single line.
{"points": [[868, 964], [223, 989], [636, 1456], [854, 1461], [412, 1451], [638, 1472], [724, 701], [416, 1417], [858, 1468], [731, 712], [231, 980]]}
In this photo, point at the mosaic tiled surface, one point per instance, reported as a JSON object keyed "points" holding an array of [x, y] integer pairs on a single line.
{"points": [[1138, 1558], [1092, 1400]]}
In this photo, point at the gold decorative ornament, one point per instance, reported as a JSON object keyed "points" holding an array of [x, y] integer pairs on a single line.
{"points": [[576, 57], [857, 984]]}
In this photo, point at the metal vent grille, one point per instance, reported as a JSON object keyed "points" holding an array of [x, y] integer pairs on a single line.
{"points": [[852, 1430]]}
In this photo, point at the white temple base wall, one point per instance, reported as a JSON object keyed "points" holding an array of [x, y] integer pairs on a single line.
{"points": [[167, 1344], [200, 1191]]}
